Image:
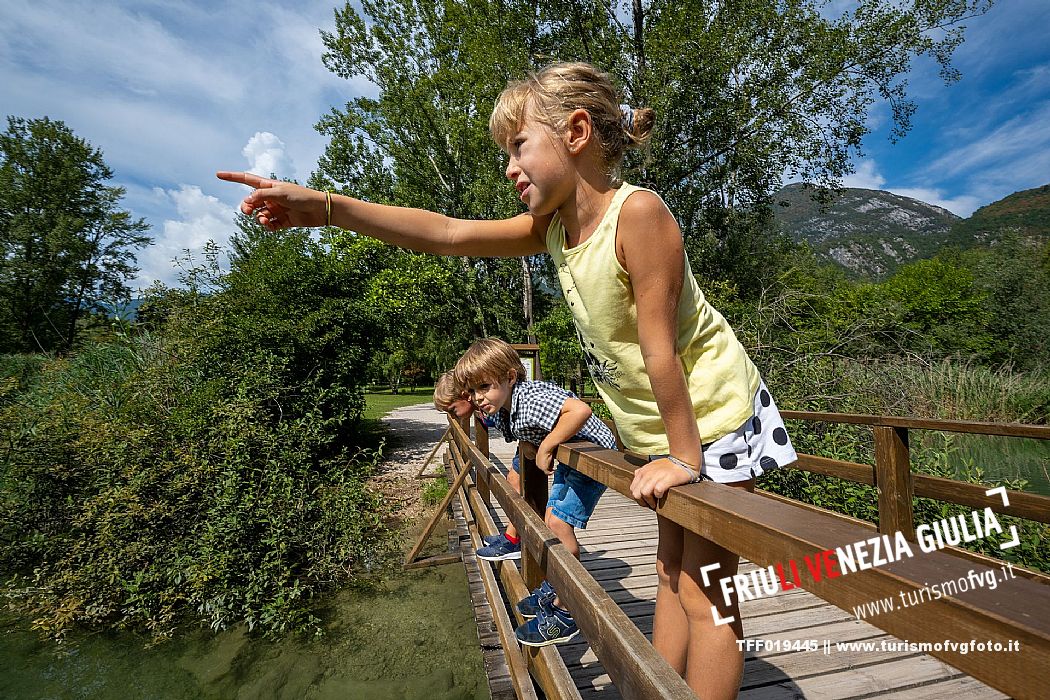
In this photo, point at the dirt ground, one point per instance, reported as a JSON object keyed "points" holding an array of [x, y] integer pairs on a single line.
{"points": [[414, 429]]}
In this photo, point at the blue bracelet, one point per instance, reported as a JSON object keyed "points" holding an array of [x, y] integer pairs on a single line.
{"points": [[694, 475]]}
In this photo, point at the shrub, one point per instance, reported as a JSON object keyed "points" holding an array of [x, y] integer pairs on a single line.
{"points": [[204, 468]]}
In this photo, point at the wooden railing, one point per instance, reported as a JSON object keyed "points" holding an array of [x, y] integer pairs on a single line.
{"points": [[634, 666], [770, 530], [897, 484]]}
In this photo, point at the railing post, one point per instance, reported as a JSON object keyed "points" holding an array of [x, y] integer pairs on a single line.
{"points": [[893, 479], [534, 491], [481, 441], [481, 436]]}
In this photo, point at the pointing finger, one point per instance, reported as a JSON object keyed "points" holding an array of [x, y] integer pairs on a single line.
{"points": [[250, 179]]}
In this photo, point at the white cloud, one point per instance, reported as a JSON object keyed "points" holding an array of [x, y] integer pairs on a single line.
{"points": [[266, 155], [199, 218], [81, 44], [1012, 157], [866, 176]]}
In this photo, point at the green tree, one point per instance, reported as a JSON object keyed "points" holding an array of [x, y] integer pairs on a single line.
{"points": [[745, 93], [207, 466], [1015, 273], [560, 354], [423, 142], [65, 246], [940, 301]]}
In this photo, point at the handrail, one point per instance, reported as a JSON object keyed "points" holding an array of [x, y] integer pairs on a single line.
{"points": [[892, 474], [1037, 432], [635, 667], [769, 531]]}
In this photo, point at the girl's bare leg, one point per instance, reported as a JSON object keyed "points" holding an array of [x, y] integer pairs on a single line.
{"points": [[670, 626], [715, 662]]}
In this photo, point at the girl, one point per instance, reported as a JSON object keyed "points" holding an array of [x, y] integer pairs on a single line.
{"points": [[677, 381]]}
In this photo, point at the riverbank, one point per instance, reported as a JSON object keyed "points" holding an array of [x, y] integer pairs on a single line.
{"points": [[413, 637]]}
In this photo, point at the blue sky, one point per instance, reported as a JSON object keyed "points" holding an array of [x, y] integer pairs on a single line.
{"points": [[173, 91]]}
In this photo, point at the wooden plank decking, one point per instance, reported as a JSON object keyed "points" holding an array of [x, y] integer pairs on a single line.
{"points": [[619, 550]]}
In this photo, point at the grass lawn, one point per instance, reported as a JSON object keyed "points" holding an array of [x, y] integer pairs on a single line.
{"points": [[371, 430], [380, 403]]}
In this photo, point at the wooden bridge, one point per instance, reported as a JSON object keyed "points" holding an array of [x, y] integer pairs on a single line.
{"points": [[804, 643]]}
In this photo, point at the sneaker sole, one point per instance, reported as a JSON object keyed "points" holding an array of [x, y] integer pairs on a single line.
{"points": [[548, 642], [502, 557]]}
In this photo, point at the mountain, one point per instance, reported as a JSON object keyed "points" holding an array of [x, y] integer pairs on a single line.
{"points": [[871, 232], [127, 312], [1027, 212], [868, 232]]}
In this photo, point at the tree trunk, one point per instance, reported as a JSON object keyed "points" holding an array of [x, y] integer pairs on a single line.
{"points": [[526, 297], [638, 14]]}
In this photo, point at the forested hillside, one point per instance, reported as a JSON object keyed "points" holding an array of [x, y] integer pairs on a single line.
{"points": [[1026, 213]]}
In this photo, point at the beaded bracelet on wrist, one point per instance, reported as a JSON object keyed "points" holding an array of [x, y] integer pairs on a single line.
{"points": [[694, 474]]}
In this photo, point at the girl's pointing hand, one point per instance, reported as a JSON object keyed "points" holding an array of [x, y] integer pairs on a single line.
{"points": [[276, 204]]}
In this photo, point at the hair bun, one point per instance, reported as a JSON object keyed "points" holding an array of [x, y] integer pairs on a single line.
{"points": [[637, 125]]}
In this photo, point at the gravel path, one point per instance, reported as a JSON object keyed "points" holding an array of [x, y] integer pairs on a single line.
{"points": [[414, 429]]}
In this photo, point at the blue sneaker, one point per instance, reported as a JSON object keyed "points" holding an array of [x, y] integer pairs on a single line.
{"points": [[547, 628], [500, 551], [540, 599], [493, 539]]}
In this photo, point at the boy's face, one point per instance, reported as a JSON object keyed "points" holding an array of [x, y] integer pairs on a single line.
{"points": [[492, 395], [461, 407]]}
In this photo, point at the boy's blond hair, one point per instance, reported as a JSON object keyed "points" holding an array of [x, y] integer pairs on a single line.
{"points": [[489, 359], [447, 391]]}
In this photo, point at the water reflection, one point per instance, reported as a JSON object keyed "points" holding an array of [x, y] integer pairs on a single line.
{"points": [[414, 640]]}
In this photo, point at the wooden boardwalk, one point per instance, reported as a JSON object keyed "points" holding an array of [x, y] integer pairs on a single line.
{"points": [[619, 550]]}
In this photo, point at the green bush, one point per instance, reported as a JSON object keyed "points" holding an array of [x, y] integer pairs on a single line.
{"points": [[435, 491], [205, 468]]}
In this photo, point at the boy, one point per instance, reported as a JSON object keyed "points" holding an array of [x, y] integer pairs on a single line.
{"points": [[543, 416], [451, 398]]}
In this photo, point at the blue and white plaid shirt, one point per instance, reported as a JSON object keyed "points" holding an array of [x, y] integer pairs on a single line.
{"points": [[535, 408]]}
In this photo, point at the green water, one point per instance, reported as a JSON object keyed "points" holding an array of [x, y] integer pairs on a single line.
{"points": [[1000, 458], [414, 640]]}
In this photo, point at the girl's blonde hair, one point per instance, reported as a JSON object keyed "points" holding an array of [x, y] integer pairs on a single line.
{"points": [[487, 360], [559, 89]]}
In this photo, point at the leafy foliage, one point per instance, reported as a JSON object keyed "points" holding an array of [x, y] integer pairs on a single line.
{"points": [[203, 469], [65, 246], [1026, 213], [744, 92]]}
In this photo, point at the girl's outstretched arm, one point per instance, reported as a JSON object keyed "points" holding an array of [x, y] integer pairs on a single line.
{"points": [[649, 245], [277, 205]]}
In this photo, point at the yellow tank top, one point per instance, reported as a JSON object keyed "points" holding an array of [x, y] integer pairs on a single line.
{"points": [[722, 379]]}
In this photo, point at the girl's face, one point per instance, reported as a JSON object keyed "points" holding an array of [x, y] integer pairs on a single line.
{"points": [[540, 167], [491, 396]]}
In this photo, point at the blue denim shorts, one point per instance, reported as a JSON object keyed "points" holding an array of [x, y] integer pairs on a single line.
{"points": [[573, 496]]}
